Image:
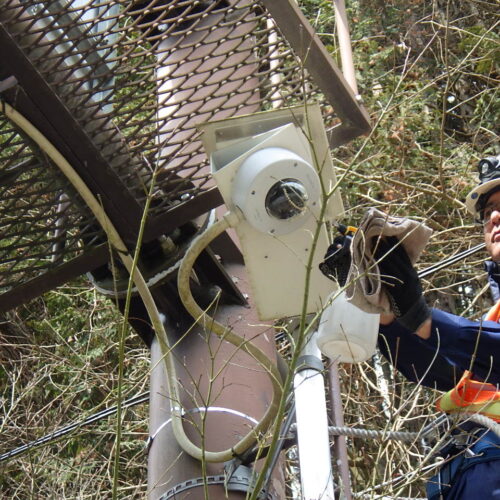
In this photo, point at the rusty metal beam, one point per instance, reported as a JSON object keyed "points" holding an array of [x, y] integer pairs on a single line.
{"points": [[320, 65], [54, 119], [183, 213], [95, 257], [31, 289]]}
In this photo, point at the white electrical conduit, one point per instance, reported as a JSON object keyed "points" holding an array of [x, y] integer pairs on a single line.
{"points": [[176, 413], [315, 460]]}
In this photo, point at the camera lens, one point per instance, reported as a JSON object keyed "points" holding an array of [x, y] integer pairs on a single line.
{"points": [[287, 198]]}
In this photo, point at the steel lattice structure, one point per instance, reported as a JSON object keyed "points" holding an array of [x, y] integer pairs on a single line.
{"points": [[119, 87]]}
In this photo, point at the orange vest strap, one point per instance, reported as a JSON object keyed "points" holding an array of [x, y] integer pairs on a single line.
{"points": [[468, 392], [476, 396], [472, 396], [494, 313]]}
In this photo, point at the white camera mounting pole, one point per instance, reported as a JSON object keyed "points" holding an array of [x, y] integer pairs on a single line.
{"points": [[270, 168], [313, 440]]}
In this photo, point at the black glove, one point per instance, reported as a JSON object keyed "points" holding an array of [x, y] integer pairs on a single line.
{"points": [[338, 259], [402, 284]]}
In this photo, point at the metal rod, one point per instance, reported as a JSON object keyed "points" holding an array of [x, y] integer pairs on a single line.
{"points": [[344, 38], [339, 442], [451, 260]]}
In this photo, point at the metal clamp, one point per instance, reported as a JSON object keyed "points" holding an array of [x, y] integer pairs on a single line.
{"points": [[241, 480], [309, 362], [200, 409]]}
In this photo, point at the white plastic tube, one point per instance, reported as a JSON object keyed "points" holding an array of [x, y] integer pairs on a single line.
{"points": [[312, 430]]}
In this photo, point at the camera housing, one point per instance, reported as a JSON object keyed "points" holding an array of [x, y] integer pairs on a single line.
{"points": [[271, 169], [276, 188]]}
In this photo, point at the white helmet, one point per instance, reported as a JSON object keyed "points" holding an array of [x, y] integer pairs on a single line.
{"points": [[489, 182]]}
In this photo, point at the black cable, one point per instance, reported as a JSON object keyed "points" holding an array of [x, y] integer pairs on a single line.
{"points": [[451, 260], [284, 442], [133, 401]]}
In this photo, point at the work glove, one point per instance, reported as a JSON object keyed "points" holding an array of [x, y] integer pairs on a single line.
{"points": [[337, 260], [401, 283]]}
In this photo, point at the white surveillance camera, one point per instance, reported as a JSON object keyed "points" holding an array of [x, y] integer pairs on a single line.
{"points": [[275, 189], [271, 168]]}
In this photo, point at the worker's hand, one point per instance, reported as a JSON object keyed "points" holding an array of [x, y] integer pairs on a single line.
{"points": [[402, 284], [338, 259]]}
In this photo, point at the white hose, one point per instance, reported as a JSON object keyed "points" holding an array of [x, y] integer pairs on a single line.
{"points": [[197, 246], [95, 206]]}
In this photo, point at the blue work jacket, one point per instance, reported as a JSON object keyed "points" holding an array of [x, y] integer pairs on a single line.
{"points": [[456, 344]]}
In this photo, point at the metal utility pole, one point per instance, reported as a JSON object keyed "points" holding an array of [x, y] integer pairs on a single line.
{"points": [[339, 442], [224, 394]]}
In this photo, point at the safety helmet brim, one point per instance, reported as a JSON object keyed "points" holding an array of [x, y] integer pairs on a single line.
{"points": [[471, 202]]}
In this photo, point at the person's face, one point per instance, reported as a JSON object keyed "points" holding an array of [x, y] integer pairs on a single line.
{"points": [[492, 226]]}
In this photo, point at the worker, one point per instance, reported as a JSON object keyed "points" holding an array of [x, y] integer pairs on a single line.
{"points": [[451, 353]]}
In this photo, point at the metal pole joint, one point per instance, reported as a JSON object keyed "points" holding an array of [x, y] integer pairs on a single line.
{"points": [[309, 362]]}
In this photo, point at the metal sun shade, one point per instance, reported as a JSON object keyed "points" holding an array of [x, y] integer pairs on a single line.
{"points": [[119, 87]]}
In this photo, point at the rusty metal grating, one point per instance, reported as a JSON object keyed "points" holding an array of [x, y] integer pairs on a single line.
{"points": [[118, 87], [39, 226]]}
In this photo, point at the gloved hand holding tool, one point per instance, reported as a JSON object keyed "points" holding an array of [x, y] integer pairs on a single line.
{"points": [[401, 283], [337, 260]]}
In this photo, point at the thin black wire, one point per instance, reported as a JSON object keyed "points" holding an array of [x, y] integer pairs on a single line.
{"points": [[143, 397], [283, 441], [451, 260], [96, 417]]}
